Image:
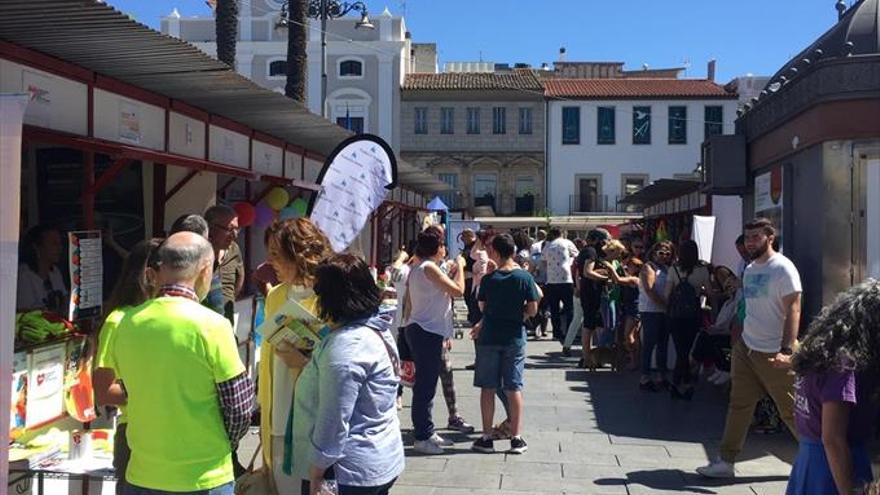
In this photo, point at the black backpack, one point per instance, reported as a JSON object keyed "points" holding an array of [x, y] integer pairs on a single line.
{"points": [[684, 301]]}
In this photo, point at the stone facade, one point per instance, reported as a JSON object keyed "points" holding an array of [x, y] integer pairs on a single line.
{"points": [[489, 168]]}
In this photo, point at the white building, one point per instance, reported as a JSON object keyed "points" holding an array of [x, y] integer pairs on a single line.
{"points": [[608, 138], [365, 67]]}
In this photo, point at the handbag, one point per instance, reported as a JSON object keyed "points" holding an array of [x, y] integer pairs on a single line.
{"points": [[256, 481]]}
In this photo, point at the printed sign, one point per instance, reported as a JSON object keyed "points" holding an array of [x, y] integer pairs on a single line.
{"points": [[768, 199], [129, 122], [45, 392], [355, 180], [39, 110], [86, 274], [18, 405]]}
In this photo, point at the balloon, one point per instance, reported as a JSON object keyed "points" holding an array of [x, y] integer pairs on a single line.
{"points": [[246, 213], [288, 213], [300, 205], [277, 198], [264, 215]]}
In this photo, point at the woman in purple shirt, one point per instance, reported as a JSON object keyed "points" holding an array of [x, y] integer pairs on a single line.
{"points": [[837, 377]]}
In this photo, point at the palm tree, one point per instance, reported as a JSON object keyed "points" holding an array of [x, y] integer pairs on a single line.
{"points": [[226, 26], [296, 51]]}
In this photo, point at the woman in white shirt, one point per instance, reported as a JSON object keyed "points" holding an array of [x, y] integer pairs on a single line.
{"points": [[40, 285], [428, 325]]}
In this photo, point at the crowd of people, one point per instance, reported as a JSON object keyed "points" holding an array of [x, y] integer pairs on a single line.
{"points": [[168, 359]]}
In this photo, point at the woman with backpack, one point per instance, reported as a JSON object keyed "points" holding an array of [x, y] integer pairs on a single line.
{"points": [[688, 279]]}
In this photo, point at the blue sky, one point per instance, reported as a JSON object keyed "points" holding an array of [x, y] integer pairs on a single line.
{"points": [[745, 36]]}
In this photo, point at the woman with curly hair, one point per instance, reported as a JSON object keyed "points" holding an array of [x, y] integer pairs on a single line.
{"points": [[295, 249], [837, 378]]}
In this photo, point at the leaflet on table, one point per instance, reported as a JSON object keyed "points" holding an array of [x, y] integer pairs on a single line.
{"points": [[293, 323]]}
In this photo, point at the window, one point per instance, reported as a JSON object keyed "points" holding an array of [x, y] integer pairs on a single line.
{"points": [[485, 190], [473, 120], [677, 125], [631, 184], [641, 125], [278, 68], [525, 194], [354, 124], [713, 124], [587, 198], [499, 120], [421, 120], [450, 197], [605, 125], [351, 68], [525, 120], [571, 125], [447, 120]]}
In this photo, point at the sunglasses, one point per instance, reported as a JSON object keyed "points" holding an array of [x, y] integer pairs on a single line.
{"points": [[233, 230], [663, 253]]}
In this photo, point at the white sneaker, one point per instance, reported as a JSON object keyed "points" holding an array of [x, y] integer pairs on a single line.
{"points": [[722, 378], [717, 469], [443, 442], [712, 376], [428, 447]]}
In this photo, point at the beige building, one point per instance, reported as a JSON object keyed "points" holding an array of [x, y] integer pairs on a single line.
{"points": [[481, 133]]}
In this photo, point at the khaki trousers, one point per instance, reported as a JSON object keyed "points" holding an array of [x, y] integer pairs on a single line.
{"points": [[752, 377]]}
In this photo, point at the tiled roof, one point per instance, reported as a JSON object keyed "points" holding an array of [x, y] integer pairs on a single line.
{"points": [[634, 88], [517, 80]]}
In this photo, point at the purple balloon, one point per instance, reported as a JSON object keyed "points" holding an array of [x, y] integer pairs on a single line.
{"points": [[265, 215]]}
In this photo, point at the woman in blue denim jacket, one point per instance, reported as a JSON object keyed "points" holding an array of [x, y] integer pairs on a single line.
{"points": [[345, 424]]}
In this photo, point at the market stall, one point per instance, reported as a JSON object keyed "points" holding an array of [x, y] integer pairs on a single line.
{"points": [[113, 146]]}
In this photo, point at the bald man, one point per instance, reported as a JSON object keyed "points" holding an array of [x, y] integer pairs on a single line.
{"points": [[189, 398]]}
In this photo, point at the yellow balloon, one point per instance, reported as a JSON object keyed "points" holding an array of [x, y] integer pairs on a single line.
{"points": [[277, 198]]}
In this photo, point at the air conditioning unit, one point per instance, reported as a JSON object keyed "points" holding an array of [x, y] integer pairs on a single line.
{"points": [[724, 166]]}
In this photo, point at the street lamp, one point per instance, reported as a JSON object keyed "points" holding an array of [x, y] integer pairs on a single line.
{"points": [[323, 10]]}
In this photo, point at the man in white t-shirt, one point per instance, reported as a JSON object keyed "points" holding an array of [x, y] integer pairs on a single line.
{"points": [[772, 293], [557, 257]]}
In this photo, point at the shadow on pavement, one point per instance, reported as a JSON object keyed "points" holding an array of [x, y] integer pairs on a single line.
{"points": [[677, 480], [653, 418]]}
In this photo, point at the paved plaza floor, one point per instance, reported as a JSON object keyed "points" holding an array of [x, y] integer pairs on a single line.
{"points": [[591, 433]]}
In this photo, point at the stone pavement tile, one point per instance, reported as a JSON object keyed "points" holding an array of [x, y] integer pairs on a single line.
{"points": [[431, 464], [762, 467], [691, 451], [582, 457], [426, 490], [639, 450], [738, 484], [490, 481], [497, 464], [636, 461], [593, 471], [568, 486], [774, 488]]}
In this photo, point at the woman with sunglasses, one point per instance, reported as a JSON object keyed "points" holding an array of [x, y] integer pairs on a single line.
{"points": [[652, 310]]}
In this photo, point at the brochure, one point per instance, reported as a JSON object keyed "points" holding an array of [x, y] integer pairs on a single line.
{"points": [[293, 323]]}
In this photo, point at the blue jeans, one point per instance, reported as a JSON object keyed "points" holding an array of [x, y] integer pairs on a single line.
{"points": [[427, 351], [226, 489], [655, 333], [500, 367]]}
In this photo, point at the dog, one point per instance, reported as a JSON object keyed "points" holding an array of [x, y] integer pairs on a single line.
{"points": [[600, 356]]}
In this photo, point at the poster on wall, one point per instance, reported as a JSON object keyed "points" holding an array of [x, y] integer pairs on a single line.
{"points": [[768, 199], [129, 122], [18, 400], [45, 392], [86, 274], [355, 180], [39, 111]]}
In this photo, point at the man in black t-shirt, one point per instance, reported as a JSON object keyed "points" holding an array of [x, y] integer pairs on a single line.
{"points": [[591, 284]]}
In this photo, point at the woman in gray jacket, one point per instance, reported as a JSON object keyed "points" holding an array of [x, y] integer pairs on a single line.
{"points": [[345, 424]]}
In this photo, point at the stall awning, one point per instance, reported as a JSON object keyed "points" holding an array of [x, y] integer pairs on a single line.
{"points": [[93, 36], [585, 222], [661, 190]]}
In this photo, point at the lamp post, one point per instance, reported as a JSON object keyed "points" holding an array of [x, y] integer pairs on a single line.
{"points": [[323, 10]]}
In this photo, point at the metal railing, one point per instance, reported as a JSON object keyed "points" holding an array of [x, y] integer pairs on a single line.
{"points": [[579, 204]]}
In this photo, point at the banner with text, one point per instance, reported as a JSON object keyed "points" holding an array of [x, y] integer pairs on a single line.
{"points": [[355, 180]]}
